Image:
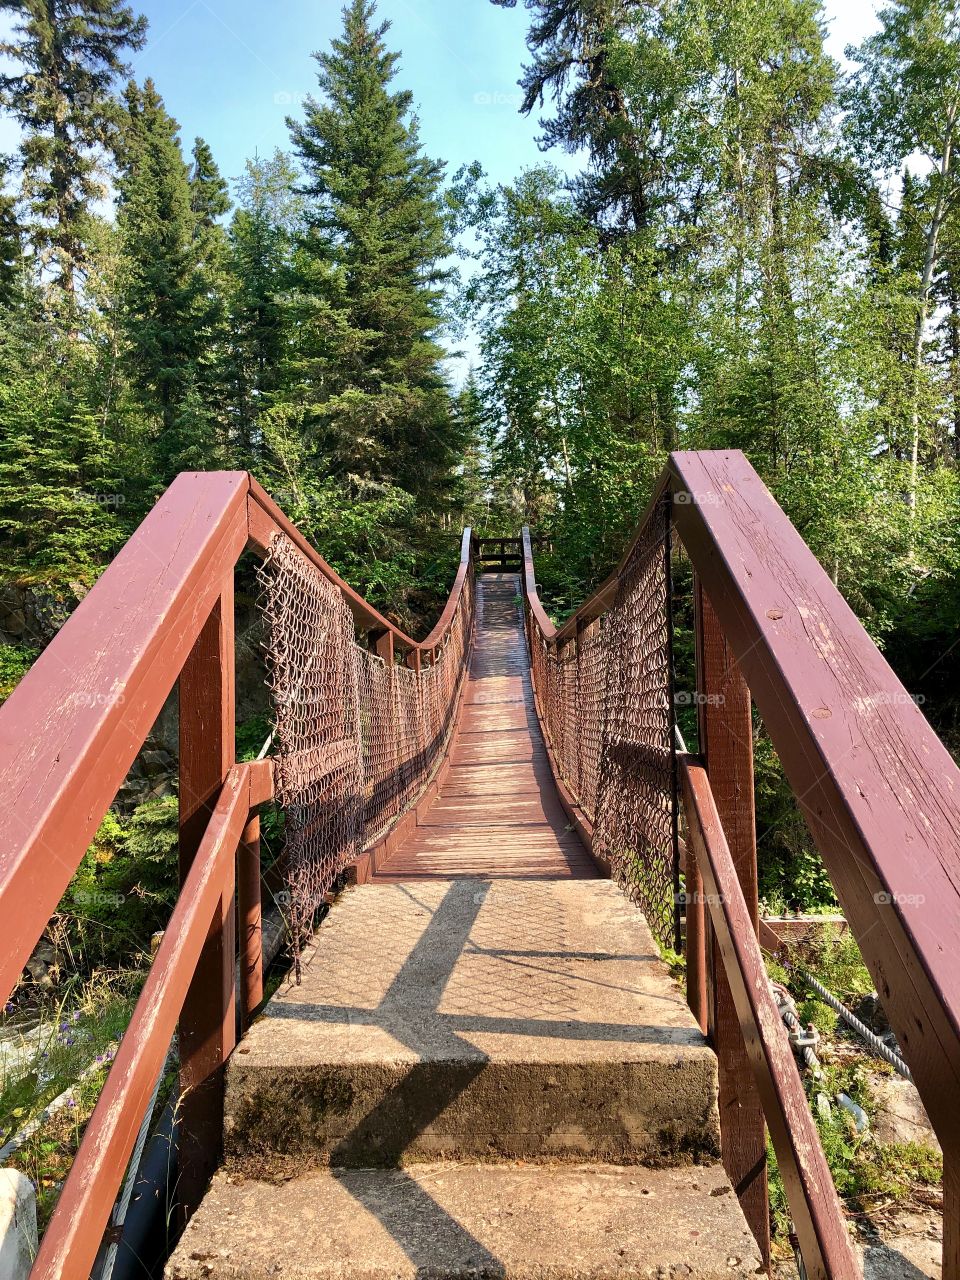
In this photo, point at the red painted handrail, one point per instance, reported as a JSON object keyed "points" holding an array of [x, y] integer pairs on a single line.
{"points": [[69, 733], [73, 726], [879, 790], [72, 1239], [818, 1217]]}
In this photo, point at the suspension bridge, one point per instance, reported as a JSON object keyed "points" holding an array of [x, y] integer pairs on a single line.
{"points": [[479, 1065]]}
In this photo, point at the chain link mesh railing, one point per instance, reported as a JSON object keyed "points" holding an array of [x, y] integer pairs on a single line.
{"points": [[356, 740], [606, 701]]}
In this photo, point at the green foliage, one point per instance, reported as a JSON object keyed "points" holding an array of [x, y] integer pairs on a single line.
{"points": [[60, 501], [262, 234], [167, 308], [370, 273], [864, 1171], [792, 874], [251, 735], [15, 661], [835, 959], [71, 1047], [66, 55], [125, 886]]}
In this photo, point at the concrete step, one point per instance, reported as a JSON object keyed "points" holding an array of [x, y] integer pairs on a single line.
{"points": [[597, 1222], [474, 1019]]}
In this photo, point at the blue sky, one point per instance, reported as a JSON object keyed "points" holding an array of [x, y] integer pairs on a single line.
{"points": [[231, 70]]}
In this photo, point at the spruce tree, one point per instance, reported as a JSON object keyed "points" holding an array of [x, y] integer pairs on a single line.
{"points": [[371, 270], [67, 56], [11, 241], [210, 197], [262, 236], [61, 507], [210, 201], [578, 64], [165, 303], [473, 430]]}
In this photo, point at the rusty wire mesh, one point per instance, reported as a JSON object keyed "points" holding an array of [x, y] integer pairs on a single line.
{"points": [[356, 740], [606, 699]]}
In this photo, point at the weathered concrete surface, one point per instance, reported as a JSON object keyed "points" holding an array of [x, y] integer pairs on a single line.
{"points": [[533, 1223], [18, 1225], [476, 1020], [901, 1244], [899, 1113]]}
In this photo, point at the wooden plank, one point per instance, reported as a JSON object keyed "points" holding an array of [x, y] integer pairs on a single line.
{"points": [[208, 1021], [497, 752], [498, 813], [726, 742], [490, 718], [504, 839], [494, 780], [516, 811], [814, 1205], [72, 1239], [73, 726], [880, 792]]}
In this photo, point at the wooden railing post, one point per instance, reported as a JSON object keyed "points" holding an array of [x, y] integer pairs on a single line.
{"points": [[207, 1024], [951, 1215], [726, 743], [250, 912], [695, 941]]}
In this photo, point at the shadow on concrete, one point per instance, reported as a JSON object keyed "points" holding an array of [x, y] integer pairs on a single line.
{"points": [[882, 1262], [412, 1217]]}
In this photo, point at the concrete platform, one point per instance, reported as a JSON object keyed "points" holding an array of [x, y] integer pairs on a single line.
{"points": [[553, 1223], [469, 1019]]}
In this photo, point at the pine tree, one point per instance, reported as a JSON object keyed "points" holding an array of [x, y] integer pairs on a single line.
{"points": [[210, 202], [578, 64], [371, 271], [262, 236], [11, 241], [165, 302], [473, 440], [210, 196], [68, 54], [60, 504]]}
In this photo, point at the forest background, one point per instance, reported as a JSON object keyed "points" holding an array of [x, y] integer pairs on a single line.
{"points": [[730, 240]]}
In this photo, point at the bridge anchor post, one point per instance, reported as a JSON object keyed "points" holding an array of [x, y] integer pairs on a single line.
{"points": [[207, 1029], [726, 743]]}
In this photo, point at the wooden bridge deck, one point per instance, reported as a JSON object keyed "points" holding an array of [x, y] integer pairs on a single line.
{"points": [[498, 814]]}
